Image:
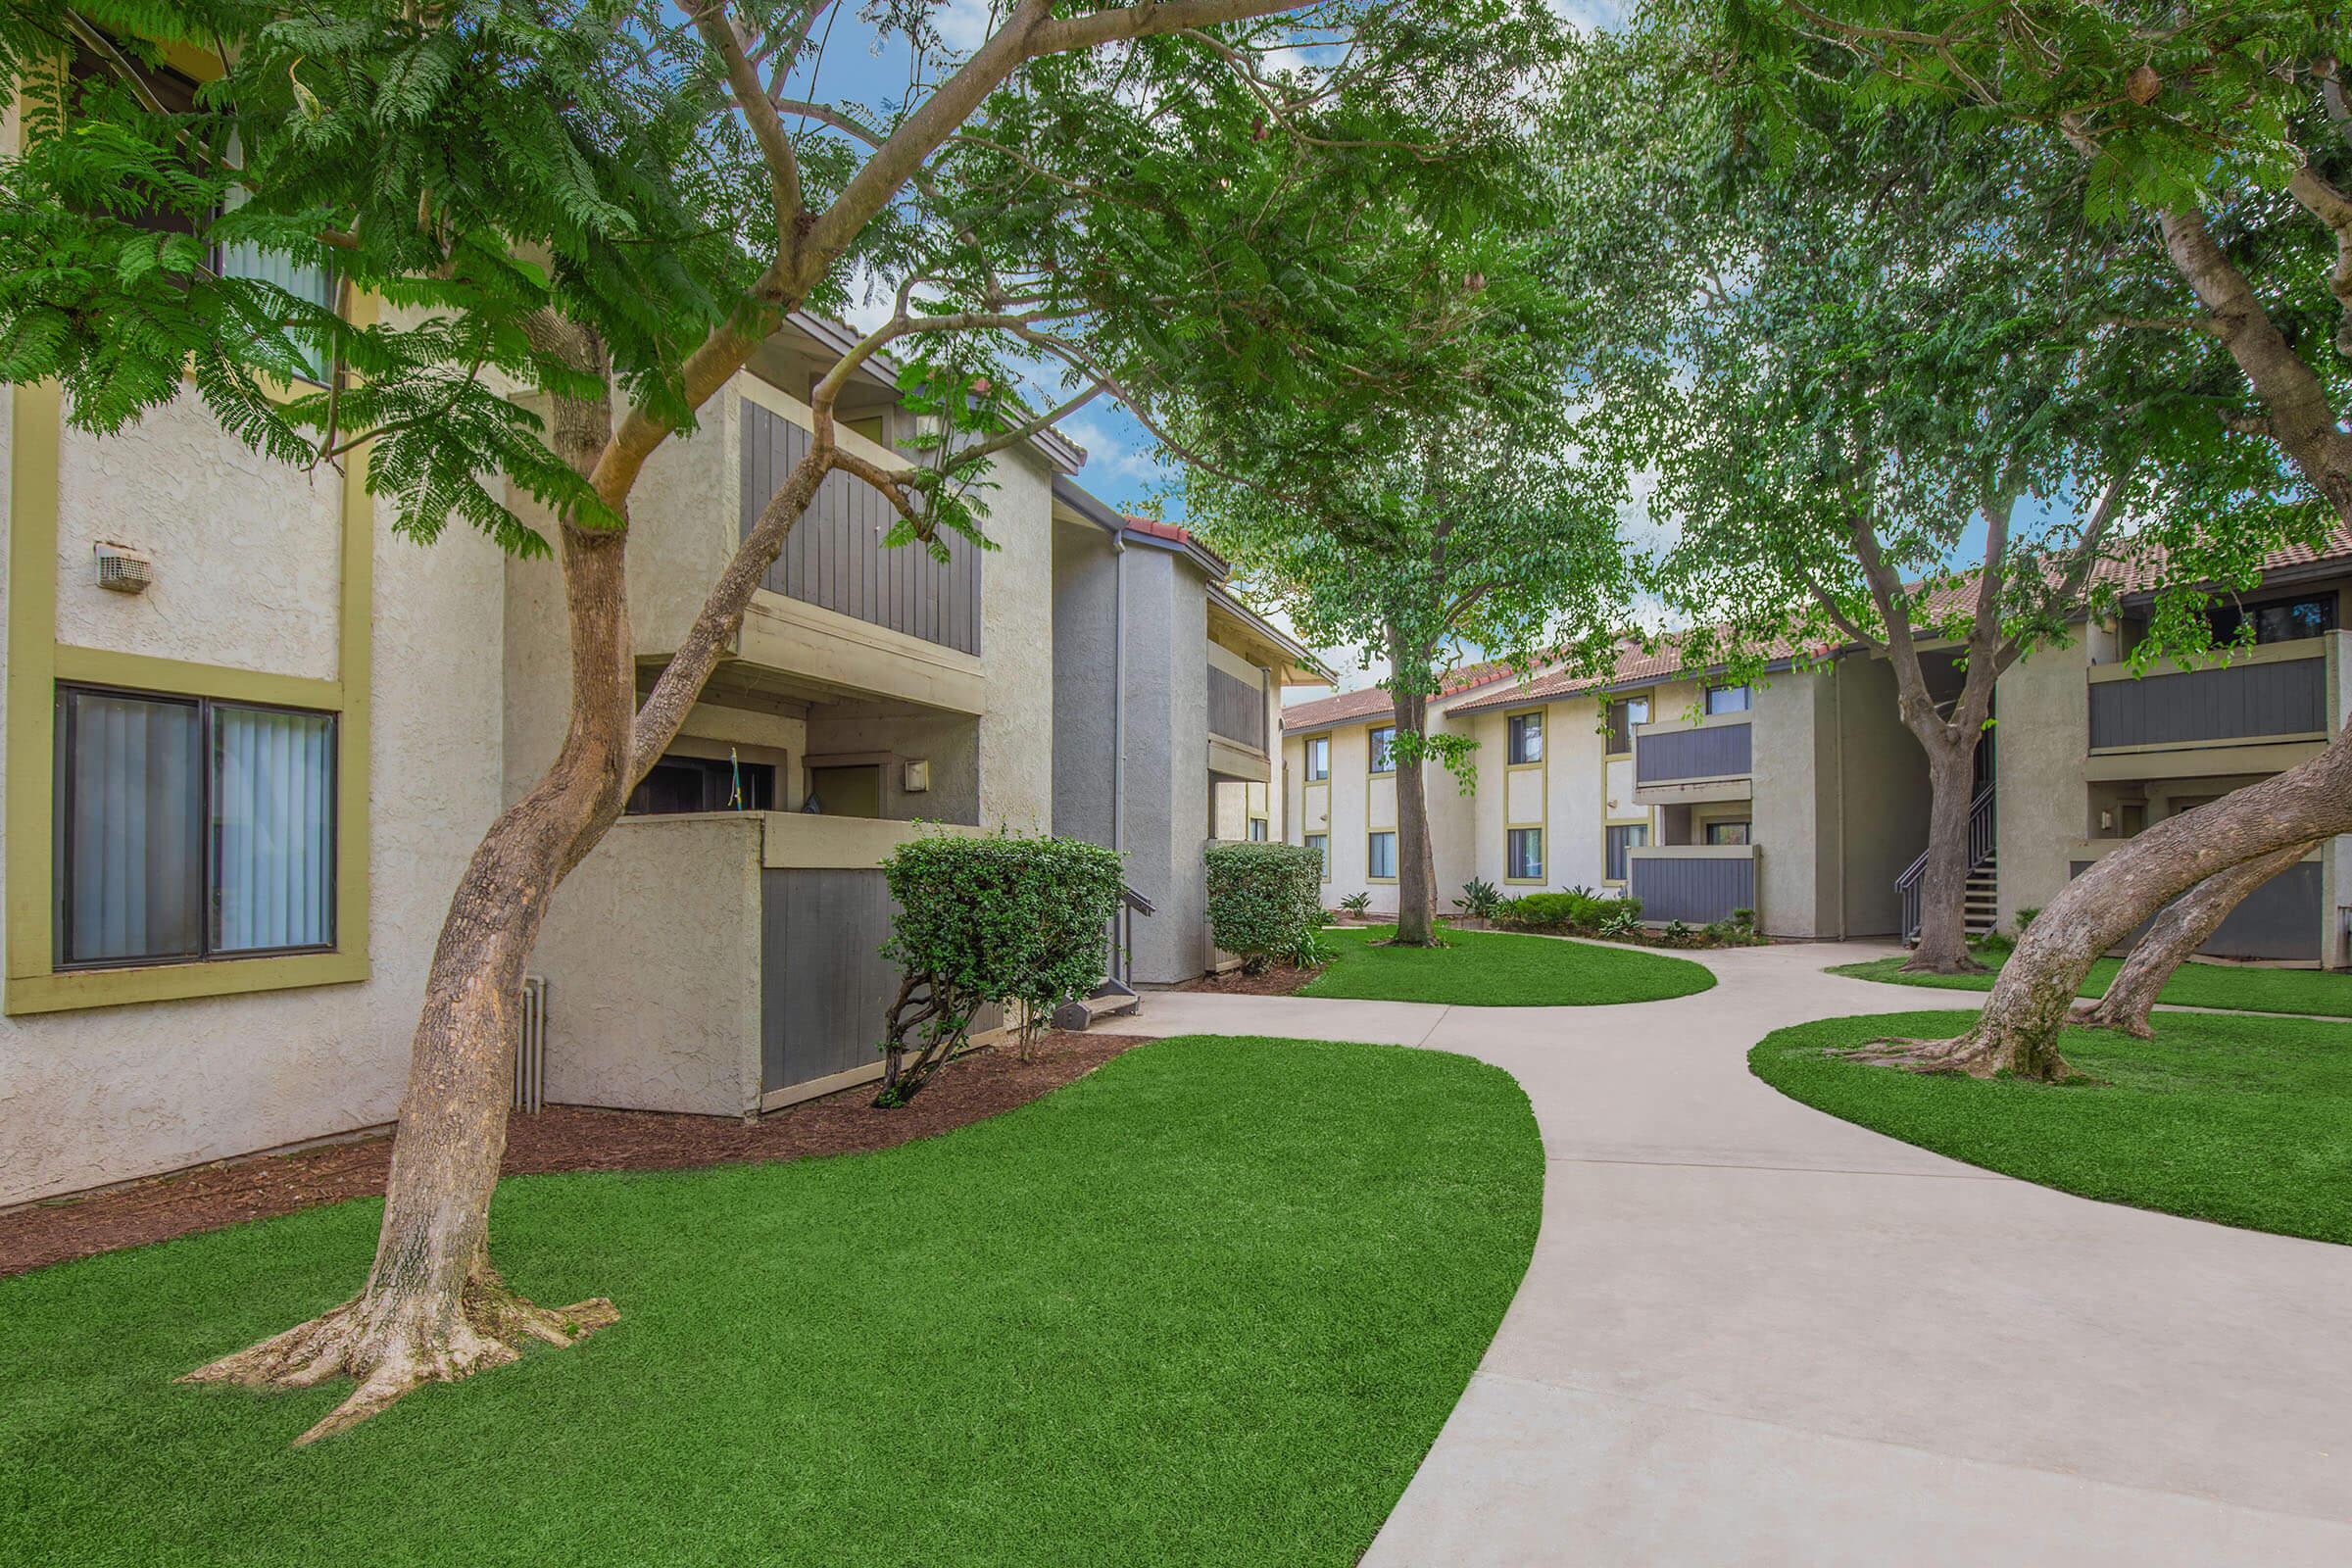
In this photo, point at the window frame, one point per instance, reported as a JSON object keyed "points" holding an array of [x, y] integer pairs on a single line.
{"points": [[1317, 765], [2248, 612], [1625, 858], [1370, 836], [1376, 753], [1321, 844], [1516, 728], [65, 724], [1745, 825], [36, 658], [1510, 845], [1620, 720], [1746, 698]]}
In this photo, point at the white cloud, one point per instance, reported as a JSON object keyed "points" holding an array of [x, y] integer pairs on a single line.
{"points": [[965, 23], [1108, 453]]}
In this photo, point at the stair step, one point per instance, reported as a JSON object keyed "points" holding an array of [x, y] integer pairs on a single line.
{"points": [[1082, 1012]]}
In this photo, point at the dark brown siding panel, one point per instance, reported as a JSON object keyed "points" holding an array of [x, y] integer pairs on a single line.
{"points": [[1720, 750], [835, 559], [2231, 702], [824, 985], [1237, 710], [1696, 890], [2279, 920]]}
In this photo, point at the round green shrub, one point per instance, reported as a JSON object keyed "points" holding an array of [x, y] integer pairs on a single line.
{"points": [[1000, 918]]}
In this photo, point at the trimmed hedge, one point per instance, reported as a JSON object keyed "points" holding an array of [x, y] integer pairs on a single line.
{"points": [[1002, 918], [1265, 903]]}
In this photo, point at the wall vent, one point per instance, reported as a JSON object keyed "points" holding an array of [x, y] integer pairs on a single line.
{"points": [[122, 569], [530, 1045]]}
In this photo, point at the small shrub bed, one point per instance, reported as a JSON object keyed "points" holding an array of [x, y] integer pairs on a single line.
{"points": [[1265, 903], [1582, 913]]}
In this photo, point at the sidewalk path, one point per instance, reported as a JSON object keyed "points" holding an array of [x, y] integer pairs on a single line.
{"points": [[1754, 1334]]}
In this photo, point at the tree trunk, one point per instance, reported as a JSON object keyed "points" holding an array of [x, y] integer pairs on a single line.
{"points": [[1943, 888], [433, 1308], [1416, 881], [2183, 928], [2018, 1030]]}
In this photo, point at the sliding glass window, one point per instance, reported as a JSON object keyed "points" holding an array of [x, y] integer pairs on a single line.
{"points": [[189, 829]]}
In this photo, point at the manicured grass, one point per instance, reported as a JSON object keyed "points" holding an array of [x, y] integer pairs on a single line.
{"points": [[1207, 1306], [2244, 1120], [2192, 985], [1500, 969]]}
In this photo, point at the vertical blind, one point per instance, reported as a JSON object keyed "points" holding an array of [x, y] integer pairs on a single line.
{"points": [[189, 827], [132, 811], [272, 828]]}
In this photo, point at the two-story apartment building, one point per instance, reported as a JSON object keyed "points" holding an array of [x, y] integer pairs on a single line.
{"points": [[1672, 787], [237, 799], [252, 737], [1802, 797]]}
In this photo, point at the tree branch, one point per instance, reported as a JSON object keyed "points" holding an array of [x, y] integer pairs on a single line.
{"points": [[717, 28]]}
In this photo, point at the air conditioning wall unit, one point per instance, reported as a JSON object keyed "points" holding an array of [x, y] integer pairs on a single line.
{"points": [[123, 568]]}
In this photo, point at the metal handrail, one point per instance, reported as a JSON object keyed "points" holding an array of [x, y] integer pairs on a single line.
{"points": [[1984, 838]]}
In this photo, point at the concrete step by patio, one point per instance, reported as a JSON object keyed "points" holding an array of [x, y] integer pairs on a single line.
{"points": [[1111, 1001]]}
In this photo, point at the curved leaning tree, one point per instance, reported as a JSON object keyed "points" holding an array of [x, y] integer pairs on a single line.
{"points": [[611, 204], [2210, 147]]}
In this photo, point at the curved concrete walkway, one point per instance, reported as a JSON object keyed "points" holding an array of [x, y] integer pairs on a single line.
{"points": [[1754, 1334]]}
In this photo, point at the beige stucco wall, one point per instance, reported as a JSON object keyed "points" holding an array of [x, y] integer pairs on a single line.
{"points": [[1017, 649], [1794, 778], [103, 1094], [247, 550], [652, 958], [2042, 728]]}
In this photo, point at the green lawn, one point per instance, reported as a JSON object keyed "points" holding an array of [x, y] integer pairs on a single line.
{"points": [[2244, 1120], [1209, 1304], [1499, 968], [2192, 985]]}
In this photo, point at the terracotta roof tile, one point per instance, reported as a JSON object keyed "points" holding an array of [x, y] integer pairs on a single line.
{"points": [[1373, 700], [1176, 533]]}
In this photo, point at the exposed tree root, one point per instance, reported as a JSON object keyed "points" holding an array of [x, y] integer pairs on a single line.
{"points": [[391, 1342], [1921, 963], [1969, 1054], [2104, 1013]]}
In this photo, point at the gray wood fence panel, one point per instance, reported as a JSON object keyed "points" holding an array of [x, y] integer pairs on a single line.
{"points": [[1721, 750], [835, 557], [824, 987], [1698, 890], [2279, 920], [1237, 709], [2231, 702]]}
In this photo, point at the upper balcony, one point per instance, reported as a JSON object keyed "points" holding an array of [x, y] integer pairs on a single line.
{"points": [[839, 613], [1679, 761], [2268, 708], [1237, 709]]}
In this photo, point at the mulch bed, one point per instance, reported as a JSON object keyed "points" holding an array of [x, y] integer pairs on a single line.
{"points": [[561, 1138], [1279, 981]]}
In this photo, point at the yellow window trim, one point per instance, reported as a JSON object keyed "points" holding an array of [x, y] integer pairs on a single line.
{"points": [[36, 662], [1541, 820]]}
